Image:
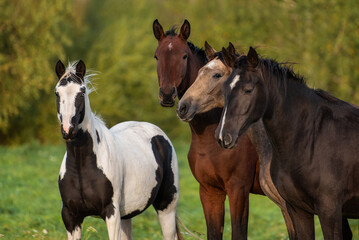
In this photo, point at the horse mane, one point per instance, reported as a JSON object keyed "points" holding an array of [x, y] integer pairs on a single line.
{"points": [[282, 70], [172, 31], [327, 96], [195, 50], [199, 52], [71, 73]]}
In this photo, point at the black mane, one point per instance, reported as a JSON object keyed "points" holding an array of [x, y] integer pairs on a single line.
{"points": [[282, 70], [199, 52], [172, 31]]}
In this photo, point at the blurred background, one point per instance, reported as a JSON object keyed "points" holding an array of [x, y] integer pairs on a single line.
{"points": [[115, 38]]}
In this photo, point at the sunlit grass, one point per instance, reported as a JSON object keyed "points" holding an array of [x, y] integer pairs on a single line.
{"points": [[30, 203]]}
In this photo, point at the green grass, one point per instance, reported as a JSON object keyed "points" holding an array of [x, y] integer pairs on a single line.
{"points": [[30, 203]]}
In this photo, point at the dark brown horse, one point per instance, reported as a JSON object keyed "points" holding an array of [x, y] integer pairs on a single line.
{"points": [[314, 137], [220, 172]]}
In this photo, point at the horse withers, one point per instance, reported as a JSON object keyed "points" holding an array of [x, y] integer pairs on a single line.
{"points": [[314, 138], [112, 173], [220, 172]]}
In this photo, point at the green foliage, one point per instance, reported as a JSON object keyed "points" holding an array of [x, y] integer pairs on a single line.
{"points": [[32, 33], [30, 203]]}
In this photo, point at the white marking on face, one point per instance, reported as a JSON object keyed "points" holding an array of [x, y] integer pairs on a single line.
{"points": [[170, 46], [67, 95], [211, 64], [234, 82], [222, 124]]}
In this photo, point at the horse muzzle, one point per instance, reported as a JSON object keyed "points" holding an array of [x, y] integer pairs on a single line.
{"points": [[185, 111], [167, 99], [70, 134]]}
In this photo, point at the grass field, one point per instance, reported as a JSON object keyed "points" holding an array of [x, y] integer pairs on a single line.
{"points": [[30, 203]]}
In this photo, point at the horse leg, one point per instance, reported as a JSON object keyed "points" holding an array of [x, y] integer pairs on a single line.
{"points": [[126, 229], [167, 219], [72, 224], [331, 221], [238, 198], [347, 232], [113, 223], [213, 207], [166, 212], [303, 223]]}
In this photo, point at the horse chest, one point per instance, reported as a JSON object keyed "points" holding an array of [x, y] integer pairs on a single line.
{"points": [[84, 187]]}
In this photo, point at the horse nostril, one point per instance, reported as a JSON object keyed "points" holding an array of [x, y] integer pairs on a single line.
{"points": [[227, 139], [183, 109]]}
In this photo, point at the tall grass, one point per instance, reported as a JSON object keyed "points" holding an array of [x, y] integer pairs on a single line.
{"points": [[30, 203]]}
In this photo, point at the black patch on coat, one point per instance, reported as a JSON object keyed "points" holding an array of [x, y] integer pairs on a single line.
{"points": [[84, 189], [162, 150], [98, 137]]}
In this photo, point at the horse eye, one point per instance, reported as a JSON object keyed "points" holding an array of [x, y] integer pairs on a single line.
{"points": [[248, 90], [185, 56], [156, 57], [217, 75], [57, 94]]}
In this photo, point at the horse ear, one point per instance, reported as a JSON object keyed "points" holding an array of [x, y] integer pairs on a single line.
{"points": [[185, 30], [231, 49], [252, 57], [210, 51], [158, 30], [80, 69], [60, 69], [228, 58]]}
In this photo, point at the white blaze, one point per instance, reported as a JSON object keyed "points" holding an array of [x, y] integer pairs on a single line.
{"points": [[222, 124], [234, 82]]}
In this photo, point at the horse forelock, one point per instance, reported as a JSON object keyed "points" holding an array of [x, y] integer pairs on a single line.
{"points": [[70, 73]]}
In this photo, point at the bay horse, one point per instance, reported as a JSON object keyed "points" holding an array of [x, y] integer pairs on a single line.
{"points": [[205, 94], [314, 137], [220, 172], [112, 173]]}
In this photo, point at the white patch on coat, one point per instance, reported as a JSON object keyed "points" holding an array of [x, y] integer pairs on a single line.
{"points": [[76, 234], [170, 46], [234, 81], [222, 124]]}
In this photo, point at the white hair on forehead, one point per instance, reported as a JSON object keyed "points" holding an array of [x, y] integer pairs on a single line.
{"points": [[89, 75]]}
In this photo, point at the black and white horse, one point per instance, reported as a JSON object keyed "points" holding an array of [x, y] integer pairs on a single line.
{"points": [[112, 173]]}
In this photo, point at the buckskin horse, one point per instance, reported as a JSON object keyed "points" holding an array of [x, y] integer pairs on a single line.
{"points": [[111, 173], [220, 172], [205, 94], [314, 137]]}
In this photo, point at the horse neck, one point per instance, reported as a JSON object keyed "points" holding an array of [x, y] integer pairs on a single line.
{"points": [[194, 63], [289, 108], [86, 142]]}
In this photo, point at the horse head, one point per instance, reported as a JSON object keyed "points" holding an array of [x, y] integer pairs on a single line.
{"points": [[172, 56], [245, 97], [70, 98]]}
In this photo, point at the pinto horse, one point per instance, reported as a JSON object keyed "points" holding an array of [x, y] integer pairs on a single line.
{"points": [[314, 137], [205, 94], [220, 172], [112, 173]]}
